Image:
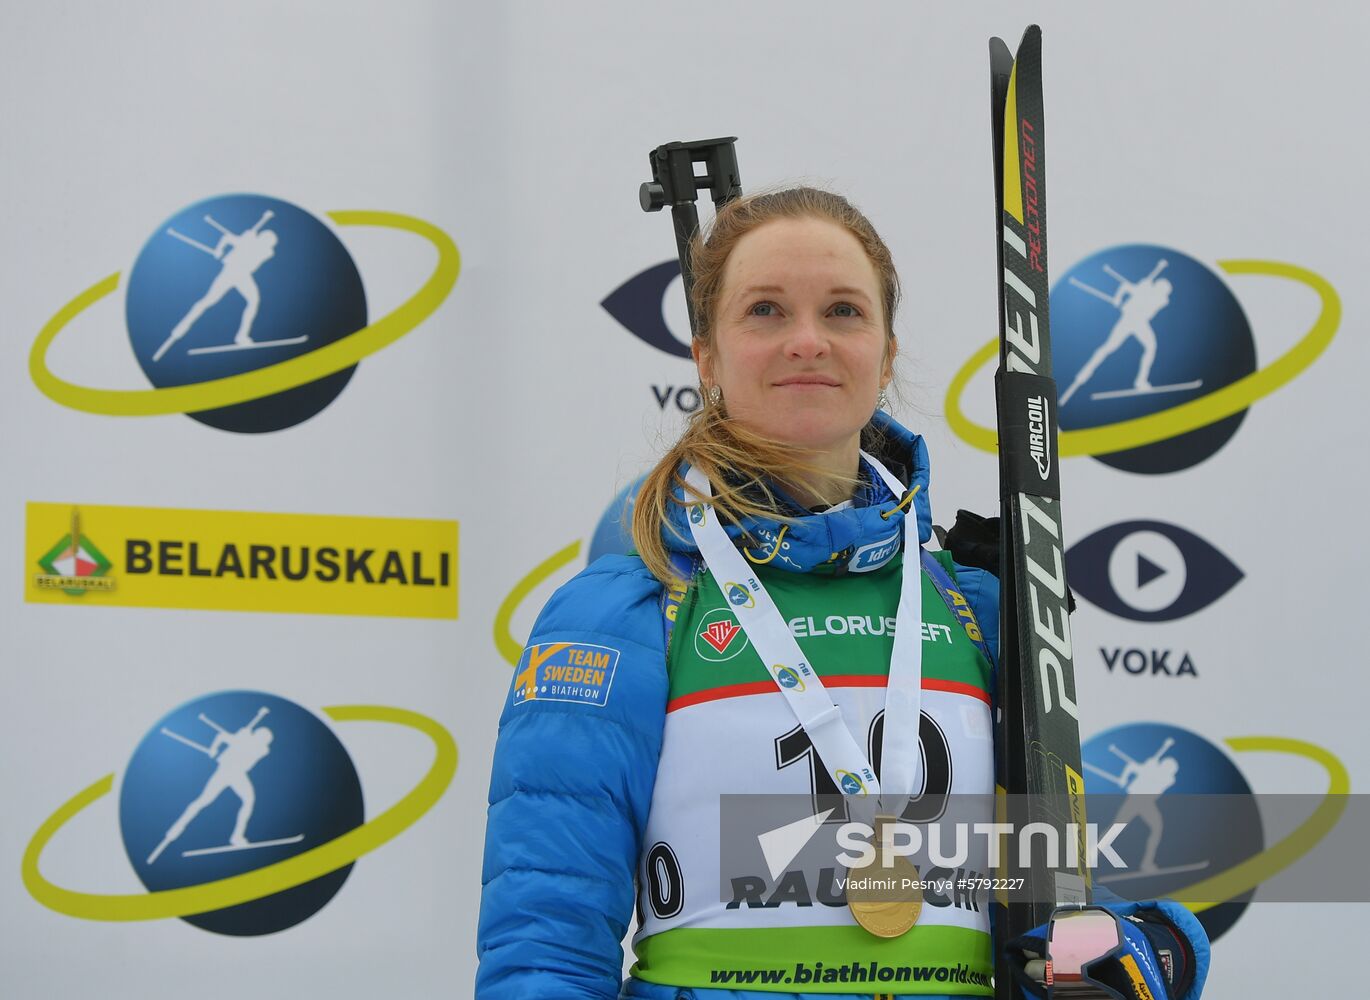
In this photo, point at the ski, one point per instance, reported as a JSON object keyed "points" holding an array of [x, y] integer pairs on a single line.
{"points": [[225, 848], [250, 345], [1037, 746]]}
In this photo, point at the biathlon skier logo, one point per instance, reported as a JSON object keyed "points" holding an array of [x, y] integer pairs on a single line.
{"points": [[229, 308], [738, 595], [1137, 304], [234, 755], [1155, 358], [1163, 783], [1144, 781], [233, 784], [1138, 330], [236, 284], [239, 256], [849, 783]]}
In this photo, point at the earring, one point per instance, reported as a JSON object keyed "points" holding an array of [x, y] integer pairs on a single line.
{"points": [[715, 395], [882, 401]]}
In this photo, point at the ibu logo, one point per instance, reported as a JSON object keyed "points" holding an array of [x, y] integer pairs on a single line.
{"points": [[236, 284], [697, 513], [850, 783], [1144, 775], [787, 678], [240, 812], [231, 783], [246, 313], [874, 555], [738, 595], [1141, 330]]}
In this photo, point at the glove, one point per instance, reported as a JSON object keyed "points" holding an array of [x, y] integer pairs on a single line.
{"points": [[974, 541], [1147, 958]]}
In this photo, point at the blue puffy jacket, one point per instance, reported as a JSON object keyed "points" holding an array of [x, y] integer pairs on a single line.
{"points": [[572, 781]]}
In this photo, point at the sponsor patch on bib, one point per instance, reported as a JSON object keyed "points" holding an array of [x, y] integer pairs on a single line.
{"points": [[566, 671], [720, 637]]}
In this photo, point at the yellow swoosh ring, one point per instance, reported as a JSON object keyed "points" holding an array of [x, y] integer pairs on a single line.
{"points": [[267, 881], [268, 381]]}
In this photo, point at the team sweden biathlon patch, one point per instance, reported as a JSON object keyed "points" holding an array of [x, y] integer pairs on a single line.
{"points": [[566, 671]]}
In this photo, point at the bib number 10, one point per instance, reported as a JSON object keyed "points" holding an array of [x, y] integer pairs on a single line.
{"points": [[925, 806]]}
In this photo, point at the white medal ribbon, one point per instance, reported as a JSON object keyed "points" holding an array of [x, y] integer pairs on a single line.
{"points": [[900, 751]]}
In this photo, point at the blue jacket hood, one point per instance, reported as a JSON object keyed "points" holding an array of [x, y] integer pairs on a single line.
{"points": [[832, 538]]}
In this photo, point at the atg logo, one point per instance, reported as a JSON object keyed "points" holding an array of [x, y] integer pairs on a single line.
{"points": [[1154, 357], [247, 313], [241, 813]]}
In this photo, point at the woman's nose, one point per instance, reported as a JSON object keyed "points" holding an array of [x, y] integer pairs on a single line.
{"points": [[806, 340]]}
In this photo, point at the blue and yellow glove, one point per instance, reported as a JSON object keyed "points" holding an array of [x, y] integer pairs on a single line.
{"points": [[1153, 950]]}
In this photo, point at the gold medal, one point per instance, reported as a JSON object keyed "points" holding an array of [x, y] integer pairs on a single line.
{"points": [[885, 901]]}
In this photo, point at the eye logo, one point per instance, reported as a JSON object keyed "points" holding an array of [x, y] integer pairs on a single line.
{"points": [[639, 304], [1149, 571]]}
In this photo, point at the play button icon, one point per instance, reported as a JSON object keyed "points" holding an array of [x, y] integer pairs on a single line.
{"points": [[1147, 570]]}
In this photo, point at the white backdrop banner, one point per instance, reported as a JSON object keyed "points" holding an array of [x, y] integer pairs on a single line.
{"points": [[335, 330]]}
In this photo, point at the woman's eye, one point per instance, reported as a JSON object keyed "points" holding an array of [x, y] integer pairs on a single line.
{"points": [[763, 309], [845, 310]]}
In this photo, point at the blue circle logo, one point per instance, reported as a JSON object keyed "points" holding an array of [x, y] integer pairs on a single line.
{"points": [[237, 283], [850, 783], [1139, 329], [232, 782], [1167, 842], [738, 596]]}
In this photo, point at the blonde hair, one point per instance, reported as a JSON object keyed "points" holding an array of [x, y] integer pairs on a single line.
{"points": [[741, 464]]}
